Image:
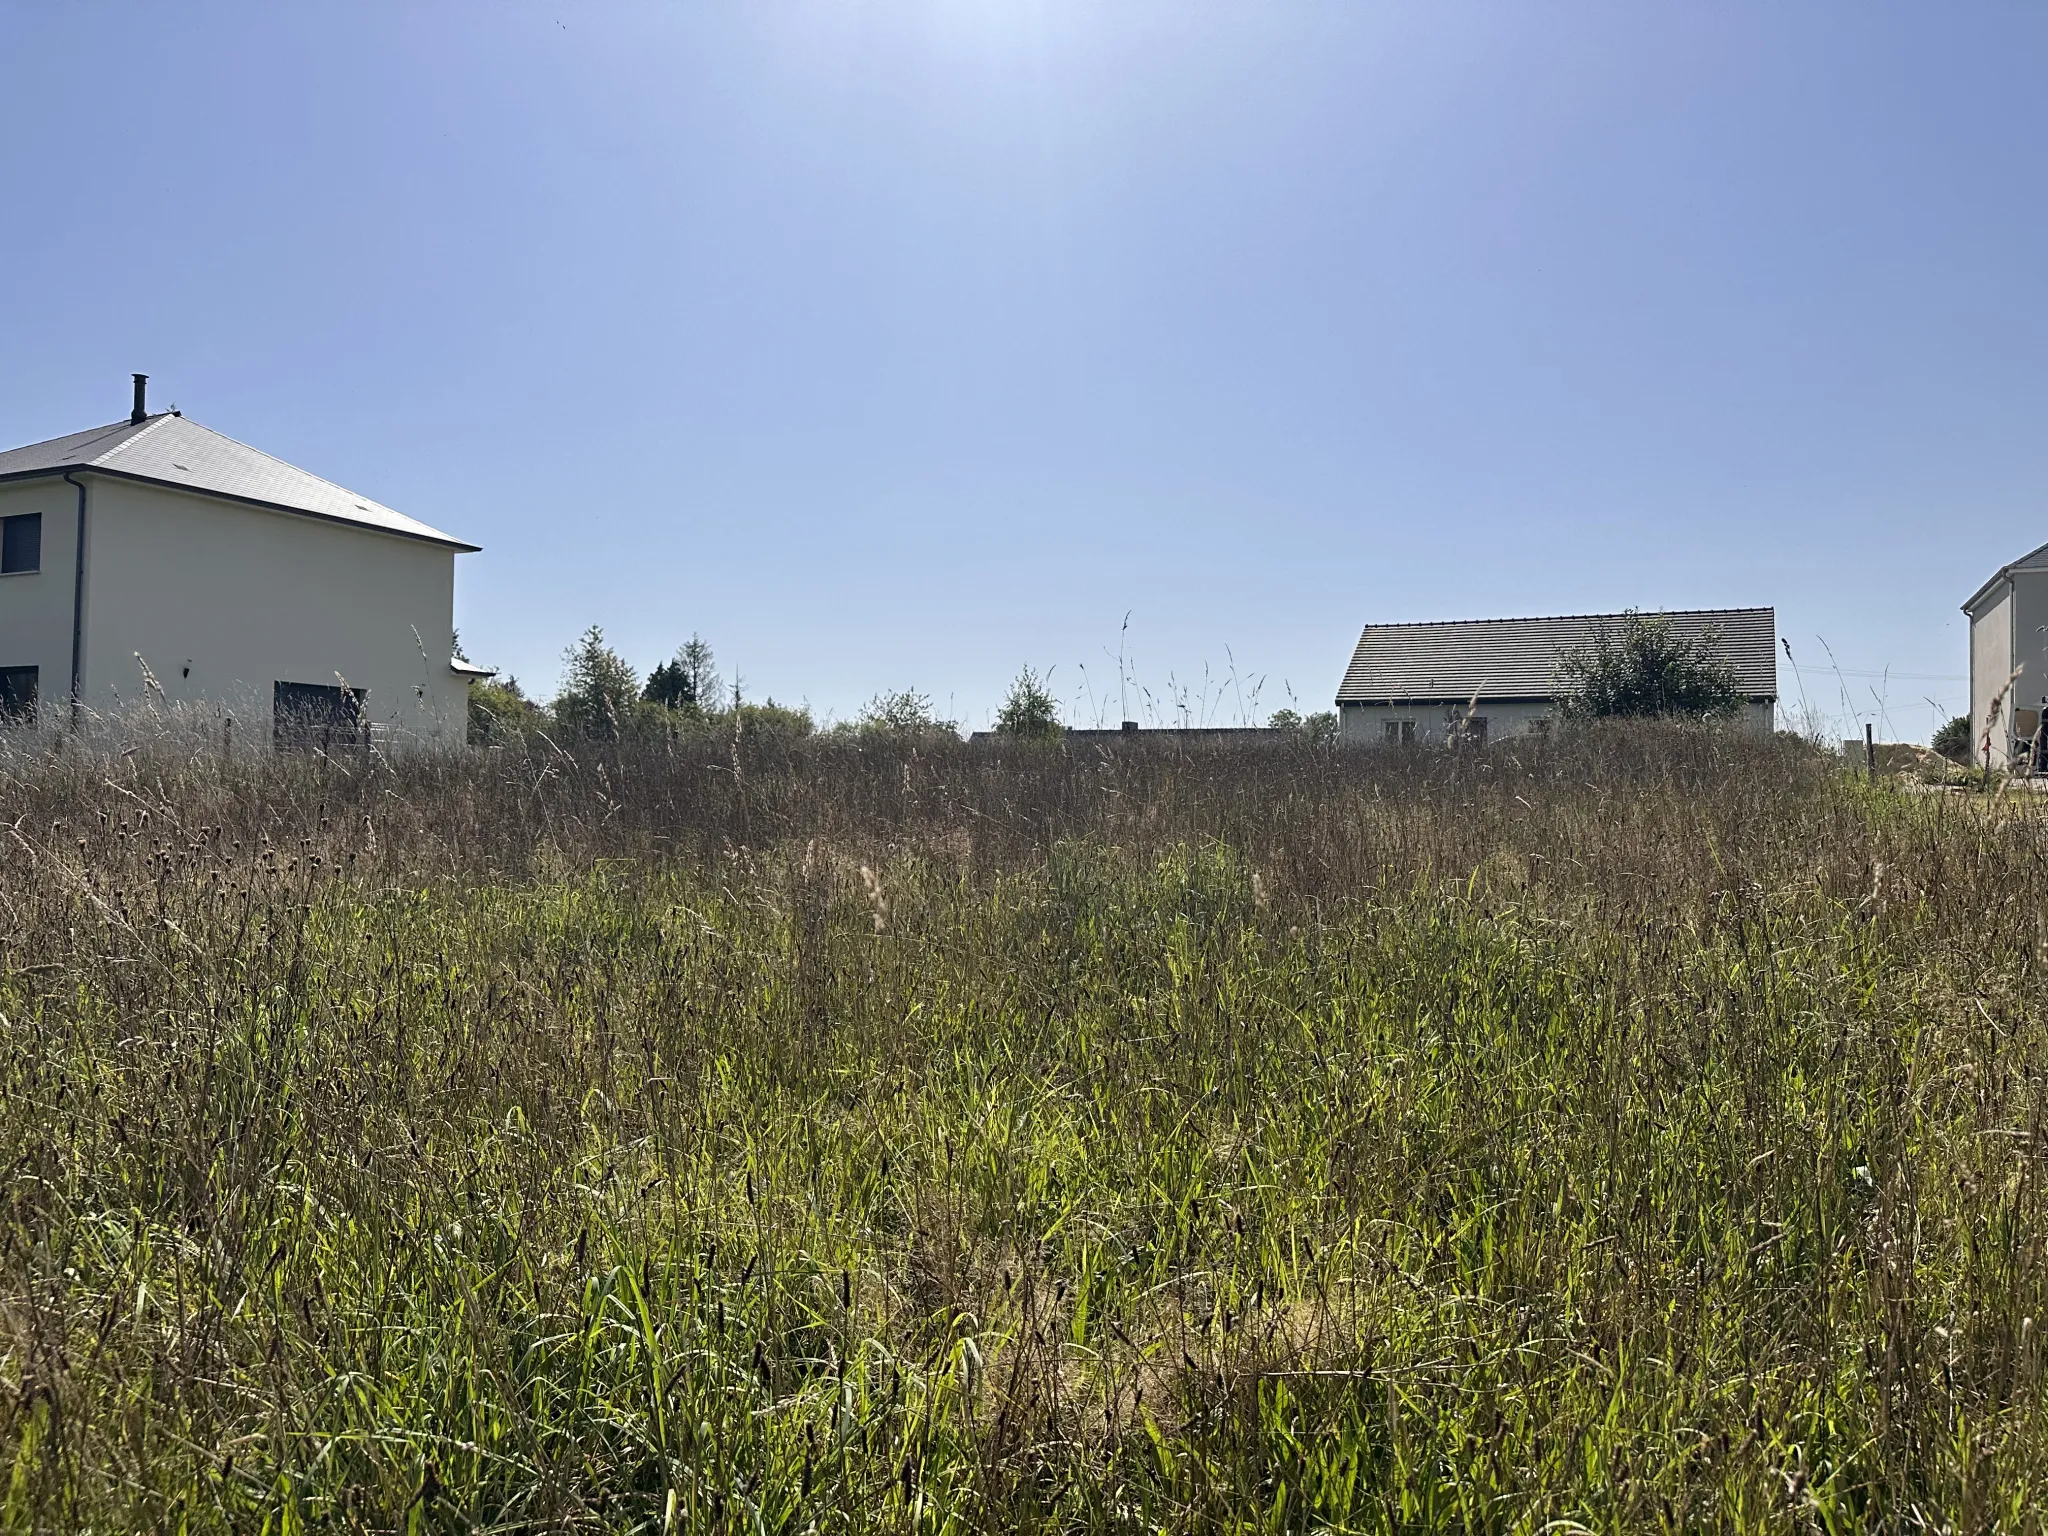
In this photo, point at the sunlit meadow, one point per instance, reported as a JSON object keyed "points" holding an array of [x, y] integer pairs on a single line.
{"points": [[1634, 1132]]}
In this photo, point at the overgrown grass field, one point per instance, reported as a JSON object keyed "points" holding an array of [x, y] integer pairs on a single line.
{"points": [[1631, 1133]]}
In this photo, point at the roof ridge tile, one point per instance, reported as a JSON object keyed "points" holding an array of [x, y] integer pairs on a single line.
{"points": [[149, 425]]}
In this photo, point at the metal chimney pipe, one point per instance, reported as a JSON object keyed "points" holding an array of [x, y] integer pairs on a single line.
{"points": [[141, 410]]}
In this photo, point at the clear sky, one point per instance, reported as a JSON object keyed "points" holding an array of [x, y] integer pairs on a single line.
{"points": [[896, 345]]}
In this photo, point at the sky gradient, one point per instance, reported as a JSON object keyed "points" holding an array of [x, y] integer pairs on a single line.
{"points": [[893, 345]]}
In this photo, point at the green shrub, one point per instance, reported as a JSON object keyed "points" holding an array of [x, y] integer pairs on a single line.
{"points": [[500, 712], [1952, 741], [1639, 667], [767, 721], [1318, 729], [905, 712], [1030, 711]]}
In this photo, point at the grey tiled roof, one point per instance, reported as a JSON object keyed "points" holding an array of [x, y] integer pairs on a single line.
{"points": [[1517, 658], [177, 451]]}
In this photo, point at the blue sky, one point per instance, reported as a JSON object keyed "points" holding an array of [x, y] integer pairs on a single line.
{"points": [[898, 345]]}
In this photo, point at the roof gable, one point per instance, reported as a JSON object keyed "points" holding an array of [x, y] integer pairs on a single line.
{"points": [[177, 451], [1518, 658], [2033, 560]]}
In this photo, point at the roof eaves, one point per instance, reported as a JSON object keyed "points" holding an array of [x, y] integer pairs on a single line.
{"points": [[43, 472], [2032, 560], [1971, 602], [55, 471]]}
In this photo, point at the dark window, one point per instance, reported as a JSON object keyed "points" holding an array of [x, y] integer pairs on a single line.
{"points": [[318, 717], [1400, 733], [17, 693], [21, 543]]}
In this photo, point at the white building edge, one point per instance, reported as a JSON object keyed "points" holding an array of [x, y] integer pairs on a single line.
{"points": [[2009, 663]]}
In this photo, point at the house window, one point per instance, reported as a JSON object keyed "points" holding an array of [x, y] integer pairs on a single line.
{"points": [[1472, 730], [1540, 726], [21, 543], [17, 694], [321, 717], [1400, 733]]}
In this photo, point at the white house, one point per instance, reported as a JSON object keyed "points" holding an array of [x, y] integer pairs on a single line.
{"points": [[2009, 659], [156, 554], [1482, 679]]}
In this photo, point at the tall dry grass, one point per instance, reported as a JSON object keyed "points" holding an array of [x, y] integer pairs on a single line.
{"points": [[1638, 1131]]}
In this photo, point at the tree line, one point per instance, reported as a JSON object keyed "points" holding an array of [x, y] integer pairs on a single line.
{"points": [[602, 697], [1636, 668]]}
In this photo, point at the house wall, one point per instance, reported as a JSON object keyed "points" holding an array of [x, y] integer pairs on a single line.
{"points": [[1991, 662], [2030, 651], [2009, 642], [222, 601], [35, 609], [1365, 724]]}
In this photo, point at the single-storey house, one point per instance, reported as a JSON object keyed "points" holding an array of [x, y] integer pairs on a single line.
{"points": [[1483, 679], [156, 560], [2009, 660]]}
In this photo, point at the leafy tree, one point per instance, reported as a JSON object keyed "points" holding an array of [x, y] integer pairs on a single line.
{"points": [[905, 712], [688, 683], [1317, 730], [1030, 711], [499, 712], [599, 689], [1952, 741], [1639, 667], [768, 720]]}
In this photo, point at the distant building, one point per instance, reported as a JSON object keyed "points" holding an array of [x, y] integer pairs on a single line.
{"points": [[1484, 679], [2009, 659], [155, 558]]}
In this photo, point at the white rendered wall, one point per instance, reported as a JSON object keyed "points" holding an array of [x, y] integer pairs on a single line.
{"points": [[1990, 665], [2029, 645], [35, 609], [223, 601], [1365, 724]]}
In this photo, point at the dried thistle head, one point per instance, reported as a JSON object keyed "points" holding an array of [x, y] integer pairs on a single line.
{"points": [[878, 899]]}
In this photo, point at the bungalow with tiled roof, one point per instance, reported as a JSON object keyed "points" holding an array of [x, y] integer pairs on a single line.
{"points": [[1481, 679]]}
